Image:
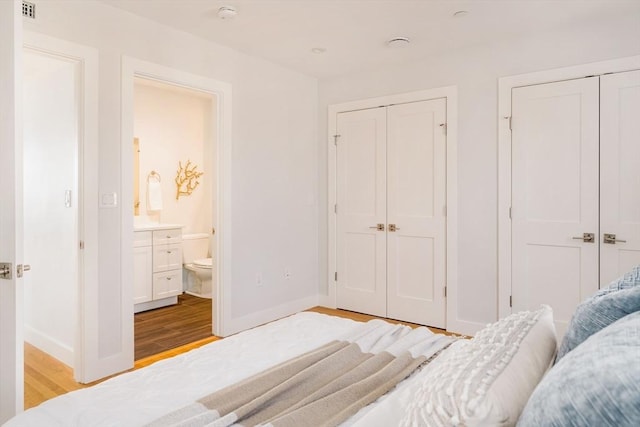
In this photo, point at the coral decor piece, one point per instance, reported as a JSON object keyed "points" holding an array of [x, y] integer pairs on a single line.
{"points": [[187, 179]]}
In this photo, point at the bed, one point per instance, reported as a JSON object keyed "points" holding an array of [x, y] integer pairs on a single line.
{"points": [[508, 373]]}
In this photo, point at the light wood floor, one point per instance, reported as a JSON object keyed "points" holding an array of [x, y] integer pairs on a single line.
{"points": [[45, 377]]}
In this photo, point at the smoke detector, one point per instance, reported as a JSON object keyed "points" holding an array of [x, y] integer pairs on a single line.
{"points": [[398, 42], [227, 12]]}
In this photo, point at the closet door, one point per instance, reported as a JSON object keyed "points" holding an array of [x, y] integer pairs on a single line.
{"points": [[416, 198], [361, 219], [620, 174], [555, 196]]}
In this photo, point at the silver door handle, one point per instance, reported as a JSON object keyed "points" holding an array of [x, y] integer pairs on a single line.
{"points": [[611, 239], [586, 237], [379, 227], [5, 270], [20, 269]]}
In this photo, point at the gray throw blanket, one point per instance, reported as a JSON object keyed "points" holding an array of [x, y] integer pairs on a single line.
{"points": [[323, 387]]}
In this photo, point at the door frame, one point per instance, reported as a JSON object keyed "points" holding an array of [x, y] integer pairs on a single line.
{"points": [[451, 94], [505, 86], [131, 68]]}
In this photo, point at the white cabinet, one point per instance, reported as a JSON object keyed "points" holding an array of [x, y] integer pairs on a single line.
{"points": [[157, 268], [142, 267]]}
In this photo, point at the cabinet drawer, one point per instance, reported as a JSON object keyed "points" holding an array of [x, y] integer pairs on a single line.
{"points": [[172, 235], [167, 257], [167, 284], [142, 238]]}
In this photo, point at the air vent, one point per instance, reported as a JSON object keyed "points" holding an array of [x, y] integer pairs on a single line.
{"points": [[29, 10]]}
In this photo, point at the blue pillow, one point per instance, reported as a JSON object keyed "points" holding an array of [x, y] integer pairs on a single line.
{"points": [[597, 384], [619, 299]]}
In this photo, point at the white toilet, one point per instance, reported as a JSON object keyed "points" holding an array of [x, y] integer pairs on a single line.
{"points": [[197, 263]]}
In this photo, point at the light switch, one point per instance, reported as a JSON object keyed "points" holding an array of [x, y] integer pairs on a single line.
{"points": [[108, 200]]}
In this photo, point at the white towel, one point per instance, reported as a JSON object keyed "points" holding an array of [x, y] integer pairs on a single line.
{"points": [[154, 196]]}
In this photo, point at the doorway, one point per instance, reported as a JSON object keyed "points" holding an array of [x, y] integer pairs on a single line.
{"points": [[220, 189], [175, 139], [52, 172]]}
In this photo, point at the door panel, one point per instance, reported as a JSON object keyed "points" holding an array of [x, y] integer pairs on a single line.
{"points": [[620, 174], [416, 198], [361, 189], [554, 195], [11, 293]]}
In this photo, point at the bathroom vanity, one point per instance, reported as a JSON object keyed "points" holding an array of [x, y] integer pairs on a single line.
{"points": [[157, 265]]}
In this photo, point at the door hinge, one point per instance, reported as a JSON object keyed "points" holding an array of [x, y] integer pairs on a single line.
{"points": [[510, 213], [335, 139], [444, 127], [335, 208], [444, 210], [445, 291], [510, 301], [81, 244], [335, 276]]}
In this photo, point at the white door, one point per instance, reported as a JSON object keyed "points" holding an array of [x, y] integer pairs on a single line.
{"points": [[51, 172], [11, 341], [361, 223], [391, 214], [620, 174], [555, 196], [416, 217]]}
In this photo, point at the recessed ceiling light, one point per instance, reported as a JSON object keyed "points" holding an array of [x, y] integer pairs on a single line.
{"points": [[318, 50], [460, 13], [398, 42], [227, 12]]}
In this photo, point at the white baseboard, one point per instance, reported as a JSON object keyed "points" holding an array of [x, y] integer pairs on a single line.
{"points": [[54, 348], [464, 327], [252, 320]]}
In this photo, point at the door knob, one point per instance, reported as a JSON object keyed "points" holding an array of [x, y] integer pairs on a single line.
{"points": [[586, 237], [611, 239], [5, 270], [379, 227]]}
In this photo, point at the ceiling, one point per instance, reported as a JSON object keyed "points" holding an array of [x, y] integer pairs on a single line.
{"points": [[354, 33]]}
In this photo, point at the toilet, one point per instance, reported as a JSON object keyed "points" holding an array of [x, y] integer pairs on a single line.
{"points": [[197, 265]]}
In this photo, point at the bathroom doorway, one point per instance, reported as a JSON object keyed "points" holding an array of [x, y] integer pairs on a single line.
{"points": [[174, 180]]}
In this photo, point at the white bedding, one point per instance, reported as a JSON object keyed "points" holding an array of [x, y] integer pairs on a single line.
{"points": [[139, 397]]}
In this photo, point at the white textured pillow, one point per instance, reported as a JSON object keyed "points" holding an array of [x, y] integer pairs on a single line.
{"points": [[486, 381]]}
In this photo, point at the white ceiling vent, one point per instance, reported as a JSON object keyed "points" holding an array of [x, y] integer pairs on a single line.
{"points": [[29, 10]]}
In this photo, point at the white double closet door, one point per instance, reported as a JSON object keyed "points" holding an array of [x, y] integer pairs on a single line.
{"points": [[391, 215], [575, 189]]}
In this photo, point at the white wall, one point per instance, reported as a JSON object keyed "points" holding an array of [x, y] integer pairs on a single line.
{"points": [[50, 229], [476, 71], [172, 126], [274, 164]]}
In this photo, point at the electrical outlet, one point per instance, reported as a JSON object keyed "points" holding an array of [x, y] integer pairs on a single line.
{"points": [[287, 273], [258, 279]]}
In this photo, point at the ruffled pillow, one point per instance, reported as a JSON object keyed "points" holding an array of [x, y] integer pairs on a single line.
{"points": [[486, 381]]}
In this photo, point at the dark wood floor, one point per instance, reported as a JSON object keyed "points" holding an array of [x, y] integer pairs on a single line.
{"points": [[174, 326]]}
